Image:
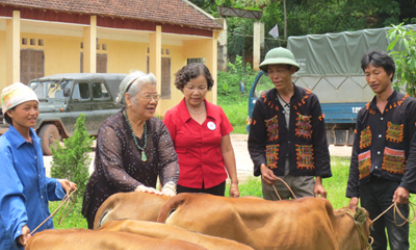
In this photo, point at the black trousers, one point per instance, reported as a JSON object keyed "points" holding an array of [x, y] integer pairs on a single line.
{"points": [[376, 197], [218, 190]]}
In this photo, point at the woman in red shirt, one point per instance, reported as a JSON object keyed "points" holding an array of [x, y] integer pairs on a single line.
{"points": [[200, 132]]}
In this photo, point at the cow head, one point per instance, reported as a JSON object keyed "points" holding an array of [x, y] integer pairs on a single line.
{"points": [[362, 224]]}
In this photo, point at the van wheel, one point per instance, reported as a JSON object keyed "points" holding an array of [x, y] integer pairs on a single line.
{"points": [[48, 134]]}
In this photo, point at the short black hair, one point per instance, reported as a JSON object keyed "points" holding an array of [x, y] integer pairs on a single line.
{"points": [[7, 117], [192, 71], [379, 59]]}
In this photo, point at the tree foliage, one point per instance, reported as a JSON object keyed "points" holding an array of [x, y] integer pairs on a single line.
{"points": [[403, 51], [317, 16], [71, 161], [306, 17]]}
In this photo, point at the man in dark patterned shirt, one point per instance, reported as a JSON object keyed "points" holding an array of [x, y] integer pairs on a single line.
{"points": [[383, 161], [287, 134]]}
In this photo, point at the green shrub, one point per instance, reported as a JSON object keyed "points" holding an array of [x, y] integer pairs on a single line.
{"points": [[229, 82], [71, 161], [233, 102]]}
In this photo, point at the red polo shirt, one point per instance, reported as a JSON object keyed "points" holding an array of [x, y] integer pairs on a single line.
{"points": [[198, 146]]}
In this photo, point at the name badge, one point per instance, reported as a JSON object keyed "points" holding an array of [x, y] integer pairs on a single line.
{"points": [[211, 126]]}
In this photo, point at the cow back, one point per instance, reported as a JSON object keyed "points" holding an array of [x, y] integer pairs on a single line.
{"points": [[163, 231], [83, 239], [133, 205], [261, 224]]}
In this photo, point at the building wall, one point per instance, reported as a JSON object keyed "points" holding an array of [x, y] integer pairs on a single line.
{"points": [[177, 62], [2, 59], [202, 48], [124, 56], [62, 53], [222, 41]]}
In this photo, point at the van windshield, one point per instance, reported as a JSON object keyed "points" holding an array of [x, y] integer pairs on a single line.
{"points": [[50, 88]]}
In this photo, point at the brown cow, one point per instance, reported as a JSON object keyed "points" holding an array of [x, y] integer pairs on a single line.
{"points": [[307, 223], [133, 205], [163, 231], [84, 239]]}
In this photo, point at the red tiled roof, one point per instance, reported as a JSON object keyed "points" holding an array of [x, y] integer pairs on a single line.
{"points": [[165, 11]]}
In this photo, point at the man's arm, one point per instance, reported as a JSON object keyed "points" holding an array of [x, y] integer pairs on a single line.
{"points": [[257, 138], [353, 191], [408, 183]]}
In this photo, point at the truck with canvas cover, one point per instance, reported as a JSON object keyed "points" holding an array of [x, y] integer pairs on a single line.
{"points": [[330, 65]]}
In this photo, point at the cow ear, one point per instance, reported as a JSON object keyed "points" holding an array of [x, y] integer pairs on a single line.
{"points": [[360, 215]]}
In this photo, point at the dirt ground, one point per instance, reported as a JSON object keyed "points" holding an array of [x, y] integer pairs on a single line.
{"points": [[245, 165], [243, 160]]}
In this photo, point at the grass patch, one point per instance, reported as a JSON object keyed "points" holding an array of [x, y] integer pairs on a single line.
{"points": [[73, 220], [236, 111]]}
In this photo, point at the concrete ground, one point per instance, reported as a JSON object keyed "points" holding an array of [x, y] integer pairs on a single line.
{"points": [[243, 160]]}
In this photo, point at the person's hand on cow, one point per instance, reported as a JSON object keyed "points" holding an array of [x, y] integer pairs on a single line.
{"points": [[169, 189], [149, 190], [401, 196], [67, 186], [22, 239], [267, 175], [353, 202], [234, 192], [319, 189]]}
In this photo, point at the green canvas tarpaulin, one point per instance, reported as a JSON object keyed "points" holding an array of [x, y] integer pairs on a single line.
{"points": [[337, 54]]}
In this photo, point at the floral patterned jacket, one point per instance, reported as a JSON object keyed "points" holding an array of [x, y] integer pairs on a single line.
{"points": [[304, 143], [385, 144]]}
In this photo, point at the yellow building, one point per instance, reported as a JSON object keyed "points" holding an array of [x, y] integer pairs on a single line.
{"points": [[40, 38]]}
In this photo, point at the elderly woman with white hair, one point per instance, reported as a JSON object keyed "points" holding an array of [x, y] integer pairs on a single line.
{"points": [[25, 190], [133, 148]]}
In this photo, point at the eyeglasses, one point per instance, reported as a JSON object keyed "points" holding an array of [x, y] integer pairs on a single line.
{"points": [[149, 97]]}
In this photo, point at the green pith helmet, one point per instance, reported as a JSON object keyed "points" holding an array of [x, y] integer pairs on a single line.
{"points": [[278, 56]]}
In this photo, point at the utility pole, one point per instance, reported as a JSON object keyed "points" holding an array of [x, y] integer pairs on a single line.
{"points": [[284, 9]]}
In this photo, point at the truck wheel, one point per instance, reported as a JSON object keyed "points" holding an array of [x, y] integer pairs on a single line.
{"points": [[48, 134], [351, 137], [330, 137]]}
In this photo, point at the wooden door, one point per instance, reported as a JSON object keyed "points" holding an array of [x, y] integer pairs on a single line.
{"points": [[101, 63], [166, 78], [32, 65]]}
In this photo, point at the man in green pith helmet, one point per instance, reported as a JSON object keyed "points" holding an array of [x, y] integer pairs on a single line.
{"points": [[287, 134]]}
